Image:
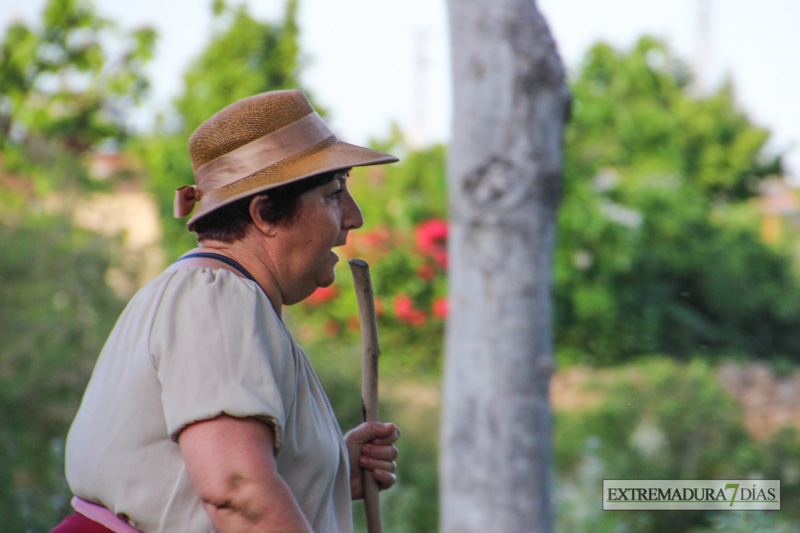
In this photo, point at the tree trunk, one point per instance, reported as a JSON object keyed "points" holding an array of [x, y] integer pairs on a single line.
{"points": [[510, 107]]}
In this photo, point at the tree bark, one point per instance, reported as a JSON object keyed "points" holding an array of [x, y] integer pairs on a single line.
{"points": [[510, 108]]}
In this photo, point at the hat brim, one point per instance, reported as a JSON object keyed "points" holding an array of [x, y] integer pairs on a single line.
{"points": [[337, 156]]}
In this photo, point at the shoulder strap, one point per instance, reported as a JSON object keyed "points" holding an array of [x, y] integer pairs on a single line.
{"points": [[211, 260]]}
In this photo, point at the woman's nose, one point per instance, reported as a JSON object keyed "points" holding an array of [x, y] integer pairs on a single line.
{"points": [[352, 217]]}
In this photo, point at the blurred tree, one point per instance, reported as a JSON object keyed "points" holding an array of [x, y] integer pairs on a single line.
{"points": [[61, 84], [510, 107], [243, 58], [63, 94], [658, 248]]}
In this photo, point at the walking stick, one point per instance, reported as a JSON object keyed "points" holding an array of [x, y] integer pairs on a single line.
{"points": [[370, 350]]}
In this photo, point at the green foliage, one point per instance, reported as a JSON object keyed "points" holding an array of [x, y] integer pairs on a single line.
{"points": [[63, 94], [245, 57], [749, 522], [55, 315], [166, 158], [647, 413], [659, 249], [61, 84], [659, 419]]}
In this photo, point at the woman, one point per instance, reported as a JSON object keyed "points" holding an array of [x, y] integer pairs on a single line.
{"points": [[202, 413]]}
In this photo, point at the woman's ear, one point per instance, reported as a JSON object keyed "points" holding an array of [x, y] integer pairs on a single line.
{"points": [[258, 205]]}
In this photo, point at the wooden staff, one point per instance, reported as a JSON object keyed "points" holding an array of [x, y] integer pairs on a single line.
{"points": [[369, 379]]}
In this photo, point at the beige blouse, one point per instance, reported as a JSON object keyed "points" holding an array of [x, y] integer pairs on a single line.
{"points": [[190, 345]]}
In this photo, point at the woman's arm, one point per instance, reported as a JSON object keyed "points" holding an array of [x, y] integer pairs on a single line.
{"points": [[231, 463]]}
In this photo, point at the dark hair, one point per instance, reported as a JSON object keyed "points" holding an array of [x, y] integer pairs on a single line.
{"points": [[229, 223]]}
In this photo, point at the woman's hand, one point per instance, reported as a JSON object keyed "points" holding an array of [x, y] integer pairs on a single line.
{"points": [[370, 446]]}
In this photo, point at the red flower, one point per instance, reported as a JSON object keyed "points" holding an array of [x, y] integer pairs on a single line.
{"points": [[403, 306], [440, 256], [322, 295], [404, 309], [440, 307], [431, 235]]}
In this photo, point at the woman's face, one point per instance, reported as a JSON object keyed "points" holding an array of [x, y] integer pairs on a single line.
{"points": [[321, 221]]}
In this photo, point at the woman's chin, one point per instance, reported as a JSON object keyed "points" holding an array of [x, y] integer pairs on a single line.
{"points": [[328, 281]]}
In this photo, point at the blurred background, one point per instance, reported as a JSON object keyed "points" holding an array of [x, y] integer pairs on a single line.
{"points": [[677, 285]]}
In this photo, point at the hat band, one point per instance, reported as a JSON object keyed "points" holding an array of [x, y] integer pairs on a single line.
{"points": [[263, 152], [252, 157]]}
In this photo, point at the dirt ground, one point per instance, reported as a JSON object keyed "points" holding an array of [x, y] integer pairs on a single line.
{"points": [[770, 401]]}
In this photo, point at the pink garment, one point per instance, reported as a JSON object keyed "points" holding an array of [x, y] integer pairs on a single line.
{"points": [[103, 516], [77, 523]]}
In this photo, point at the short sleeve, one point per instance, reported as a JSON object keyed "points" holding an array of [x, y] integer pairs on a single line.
{"points": [[219, 348]]}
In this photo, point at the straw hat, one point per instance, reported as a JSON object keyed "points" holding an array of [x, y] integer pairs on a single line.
{"points": [[259, 143]]}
